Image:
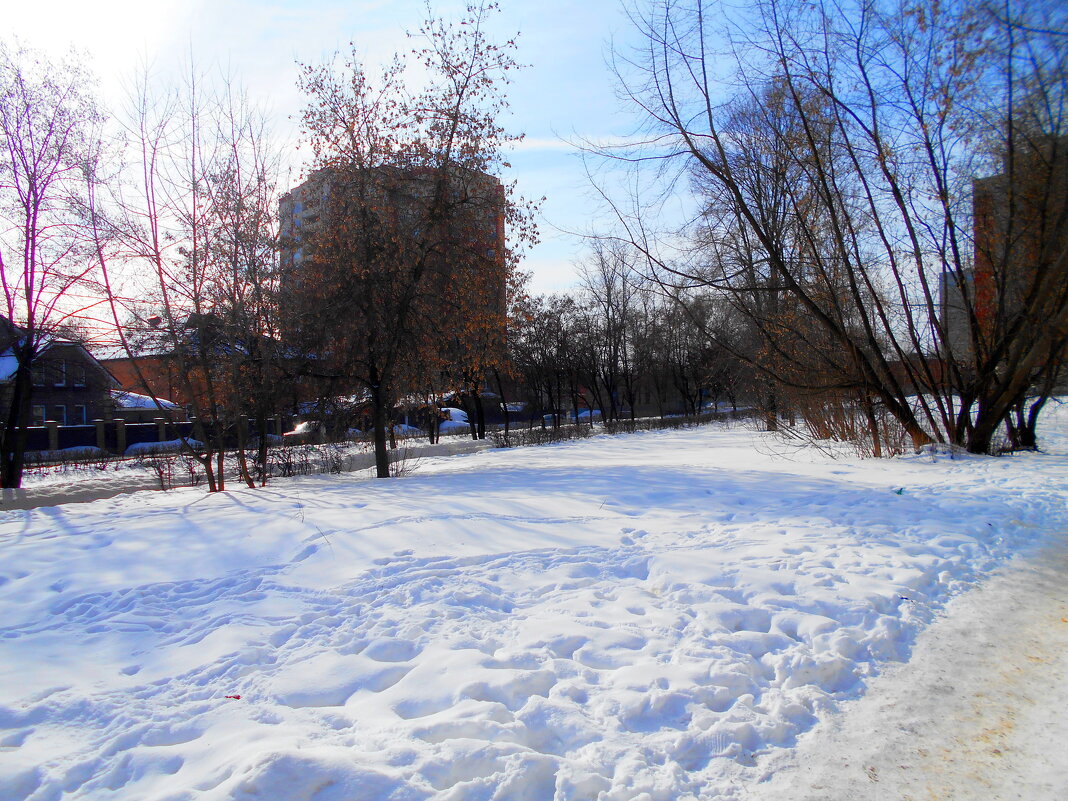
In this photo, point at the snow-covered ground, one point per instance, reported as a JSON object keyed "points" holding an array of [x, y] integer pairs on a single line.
{"points": [[653, 616], [976, 714]]}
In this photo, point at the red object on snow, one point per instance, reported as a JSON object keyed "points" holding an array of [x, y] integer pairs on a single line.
{"points": [[235, 697]]}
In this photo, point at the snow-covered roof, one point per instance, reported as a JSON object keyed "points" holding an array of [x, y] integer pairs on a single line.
{"points": [[9, 362], [117, 351], [131, 400], [8, 365]]}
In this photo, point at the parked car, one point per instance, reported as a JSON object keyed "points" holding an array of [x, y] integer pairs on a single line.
{"points": [[584, 416], [306, 432], [455, 421]]}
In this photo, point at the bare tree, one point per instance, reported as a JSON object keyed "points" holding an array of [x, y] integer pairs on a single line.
{"points": [[837, 145], [544, 353], [243, 288], [49, 134], [611, 285], [196, 236]]}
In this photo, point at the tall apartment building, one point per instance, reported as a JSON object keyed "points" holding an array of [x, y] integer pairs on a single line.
{"points": [[417, 203]]}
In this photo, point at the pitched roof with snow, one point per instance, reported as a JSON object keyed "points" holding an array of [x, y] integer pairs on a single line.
{"points": [[9, 363], [131, 400]]}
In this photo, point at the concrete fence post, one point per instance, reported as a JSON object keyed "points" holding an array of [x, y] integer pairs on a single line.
{"points": [[53, 434], [120, 436], [161, 429], [101, 434]]}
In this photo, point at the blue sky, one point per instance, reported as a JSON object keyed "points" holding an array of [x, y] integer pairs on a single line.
{"points": [[566, 91]]}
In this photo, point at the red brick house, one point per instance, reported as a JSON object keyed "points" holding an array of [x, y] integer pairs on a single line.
{"points": [[70, 386]]}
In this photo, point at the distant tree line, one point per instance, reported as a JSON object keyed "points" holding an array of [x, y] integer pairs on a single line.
{"points": [[621, 346]]}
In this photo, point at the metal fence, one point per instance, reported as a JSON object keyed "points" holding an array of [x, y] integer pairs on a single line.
{"points": [[109, 437]]}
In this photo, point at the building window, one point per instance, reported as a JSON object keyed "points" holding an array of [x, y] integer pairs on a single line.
{"points": [[61, 374], [77, 375], [59, 414], [38, 413], [39, 374], [79, 416]]}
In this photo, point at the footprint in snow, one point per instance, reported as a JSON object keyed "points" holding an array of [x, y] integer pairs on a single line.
{"points": [[398, 556], [392, 650]]}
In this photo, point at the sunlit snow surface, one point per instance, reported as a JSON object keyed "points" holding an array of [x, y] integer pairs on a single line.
{"points": [[638, 617]]}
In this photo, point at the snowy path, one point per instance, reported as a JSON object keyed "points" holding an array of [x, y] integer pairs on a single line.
{"points": [[977, 713]]}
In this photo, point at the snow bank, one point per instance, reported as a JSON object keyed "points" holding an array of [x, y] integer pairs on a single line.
{"points": [[454, 427], [77, 452], [164, 446], [645, 616]]}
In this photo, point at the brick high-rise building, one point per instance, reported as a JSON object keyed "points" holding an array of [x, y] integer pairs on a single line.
{"points": [[1020, 241], [402, 202]]}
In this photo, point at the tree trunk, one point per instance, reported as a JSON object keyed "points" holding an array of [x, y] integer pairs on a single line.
{"points": [[771, 411], [379, 418], [14, 442], [504, 402], [1028, 431], [873, 426], [988, 420], [480, 416], [220, 477], [433, 424], [242, 457], [261, 450], [200, 432]]}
